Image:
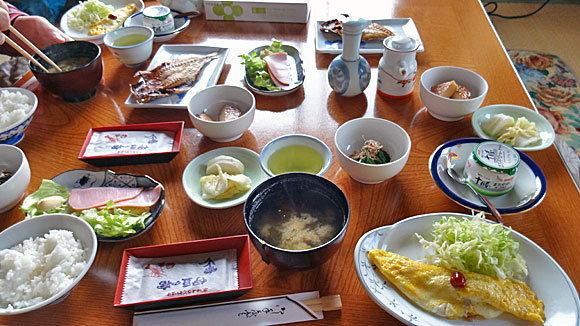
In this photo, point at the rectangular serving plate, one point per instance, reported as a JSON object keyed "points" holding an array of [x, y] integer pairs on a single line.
{"points": [[129, 159], [332, 43], [209, 75], [239, 242]]}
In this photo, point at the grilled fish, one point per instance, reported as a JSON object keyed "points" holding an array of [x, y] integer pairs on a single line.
{"points": [[172, 77], [372, 32], [430, 288]]}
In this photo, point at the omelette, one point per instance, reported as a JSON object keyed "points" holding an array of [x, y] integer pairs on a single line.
{"points": [[113, 20], [430, 288]]}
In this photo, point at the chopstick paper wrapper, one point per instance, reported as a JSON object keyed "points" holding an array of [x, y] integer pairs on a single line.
{"points": [[275, 310]]}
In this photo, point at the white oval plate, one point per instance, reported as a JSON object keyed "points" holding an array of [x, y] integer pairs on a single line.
{"points": [[546, 277], [196, 169], [529, 191], [181, 24], [84, 36], [542, 124]]}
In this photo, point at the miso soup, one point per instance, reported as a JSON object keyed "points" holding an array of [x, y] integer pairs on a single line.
{"points": [[299, 224], [70, 64]]}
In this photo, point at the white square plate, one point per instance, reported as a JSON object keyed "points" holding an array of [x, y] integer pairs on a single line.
{"points": [[332, 43], [208, 76]]}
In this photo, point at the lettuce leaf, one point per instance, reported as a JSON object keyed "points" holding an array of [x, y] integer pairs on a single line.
{"points": [[47, 188], [256, 68], [114, 222]]}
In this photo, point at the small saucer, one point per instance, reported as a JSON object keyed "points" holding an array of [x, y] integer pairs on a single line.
{"points": [[543, 126], [528, 192], [196, 169]]}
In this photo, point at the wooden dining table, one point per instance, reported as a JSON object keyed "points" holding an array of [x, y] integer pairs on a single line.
{"points": [[456, 33]]}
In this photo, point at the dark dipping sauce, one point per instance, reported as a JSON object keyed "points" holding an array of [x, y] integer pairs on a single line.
{"points": [[5, 175], [69, 64], [300, 225]]}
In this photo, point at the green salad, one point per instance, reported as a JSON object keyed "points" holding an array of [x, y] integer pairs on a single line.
{"points": [[474, 245], [52, 197], [256, 69]]}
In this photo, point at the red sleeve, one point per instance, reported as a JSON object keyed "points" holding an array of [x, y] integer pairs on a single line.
{"points": [[14, 13]]}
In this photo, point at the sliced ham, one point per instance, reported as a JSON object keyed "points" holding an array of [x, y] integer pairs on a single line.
{"points": [[145, 199], [81, 199], [278, 68]]}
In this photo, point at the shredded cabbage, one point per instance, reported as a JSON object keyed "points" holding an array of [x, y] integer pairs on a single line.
{"points": [[474, 245], [87, 14]]}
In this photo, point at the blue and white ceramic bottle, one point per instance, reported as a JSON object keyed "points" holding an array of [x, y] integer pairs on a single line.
{"points": [[349, 74]]}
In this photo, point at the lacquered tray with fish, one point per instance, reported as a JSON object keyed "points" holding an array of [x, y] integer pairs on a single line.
{"points": [[165, 85]]}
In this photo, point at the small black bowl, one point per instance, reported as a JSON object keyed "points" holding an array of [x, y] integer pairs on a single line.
{"points": [[305, 193], [75, 85]]}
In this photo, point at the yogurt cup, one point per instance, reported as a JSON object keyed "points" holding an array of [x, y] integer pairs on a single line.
{"points": [[159, 18], [492, 168]]}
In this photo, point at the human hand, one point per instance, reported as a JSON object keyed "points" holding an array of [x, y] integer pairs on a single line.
{"points": [[4, 20], [39, 31]]}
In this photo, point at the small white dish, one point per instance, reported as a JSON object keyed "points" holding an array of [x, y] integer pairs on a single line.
{"points": [[208, 76], [296, 72], [13, 159], [295, 139], [529, 191], [546, 277], [181, 24], [449, 109], [196, 169], [332, 43], [211, 100], [98, 39], [134, 55], [350, 137], [515, 111]]}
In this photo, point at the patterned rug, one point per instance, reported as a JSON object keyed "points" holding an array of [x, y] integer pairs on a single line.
{"points": [[556, 93]]}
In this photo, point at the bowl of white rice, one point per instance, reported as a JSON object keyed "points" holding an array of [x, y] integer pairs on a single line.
{"points": [[17, 107], [42, 259]]}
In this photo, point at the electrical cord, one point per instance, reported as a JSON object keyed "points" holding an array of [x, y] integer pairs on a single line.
{"points": [[492, 11]]}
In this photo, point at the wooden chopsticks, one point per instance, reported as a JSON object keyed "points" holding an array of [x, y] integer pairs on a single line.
{"points": [[326, 303], [34, 48]]}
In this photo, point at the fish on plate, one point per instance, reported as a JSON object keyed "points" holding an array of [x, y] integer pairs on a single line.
{"points": [[171, 77]]}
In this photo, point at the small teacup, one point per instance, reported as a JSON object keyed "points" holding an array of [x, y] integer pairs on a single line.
{"points": [[132, 45]]}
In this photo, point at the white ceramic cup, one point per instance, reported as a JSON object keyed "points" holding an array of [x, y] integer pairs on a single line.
{"points": [[13, 159], [130, 55]]}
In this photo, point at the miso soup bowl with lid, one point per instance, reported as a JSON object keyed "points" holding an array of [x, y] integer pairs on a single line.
{"points": [[131, 53], [350, 137]]}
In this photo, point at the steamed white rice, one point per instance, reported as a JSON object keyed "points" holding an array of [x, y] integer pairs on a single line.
{"points": [[36, 269], [14, 107]]}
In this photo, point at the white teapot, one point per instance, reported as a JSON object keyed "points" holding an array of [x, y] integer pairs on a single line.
{"points": [[397, 67]]}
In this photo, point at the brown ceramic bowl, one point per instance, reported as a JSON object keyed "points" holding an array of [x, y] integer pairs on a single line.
{"points": [[77, 84]]}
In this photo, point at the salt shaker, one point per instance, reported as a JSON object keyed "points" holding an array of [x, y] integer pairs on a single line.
{"points": [[397, 67], [349, 73]]}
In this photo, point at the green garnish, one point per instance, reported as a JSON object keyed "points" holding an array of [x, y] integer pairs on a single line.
{"points": [[371, 153]]}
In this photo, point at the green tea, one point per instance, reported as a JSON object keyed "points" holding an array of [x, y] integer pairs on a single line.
{"points": [[295, 158], [130, 39]]}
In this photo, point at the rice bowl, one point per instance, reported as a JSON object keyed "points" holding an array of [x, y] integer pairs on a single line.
{"points": [[17, 107], [40, 266]]}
